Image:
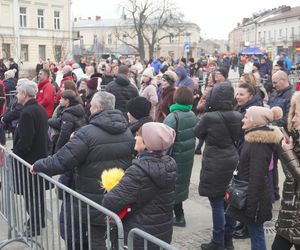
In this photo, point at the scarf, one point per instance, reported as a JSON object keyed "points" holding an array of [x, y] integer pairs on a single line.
{"points": [[181, 107]]}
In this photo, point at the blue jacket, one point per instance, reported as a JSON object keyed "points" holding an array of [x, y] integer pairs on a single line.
{"points": [[184, 79]]}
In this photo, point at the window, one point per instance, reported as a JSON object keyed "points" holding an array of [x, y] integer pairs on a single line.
{"points": [[23, 21], [6, 50], [259, 35], [292, 32], [280, 33], [95, 39], [42, 52], [58, 53], [40, 14], [269, 34], [109, 39], [56, 20], [24, 52]]}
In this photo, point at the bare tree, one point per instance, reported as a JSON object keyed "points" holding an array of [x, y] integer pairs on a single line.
{"points": [[151, 22]]}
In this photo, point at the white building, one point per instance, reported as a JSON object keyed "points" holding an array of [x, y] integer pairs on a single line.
{"points": [[98, 36], [275, 31], [33, 29]]}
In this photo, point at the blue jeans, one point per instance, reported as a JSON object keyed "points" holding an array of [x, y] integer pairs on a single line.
{"points": [[257, 236], [222, 224]]}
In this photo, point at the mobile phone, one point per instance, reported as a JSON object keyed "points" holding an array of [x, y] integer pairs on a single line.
{"points": [[285, 134]]}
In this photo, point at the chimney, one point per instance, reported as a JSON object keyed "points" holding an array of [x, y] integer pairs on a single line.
{"points": [[89, 18], [75, 19], [98, 18]]}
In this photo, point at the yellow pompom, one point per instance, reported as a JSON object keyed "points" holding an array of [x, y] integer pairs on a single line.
{"points": [[111, 177]]}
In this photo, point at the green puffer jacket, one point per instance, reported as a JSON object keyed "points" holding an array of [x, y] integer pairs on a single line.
{"points": [[183, 150]]}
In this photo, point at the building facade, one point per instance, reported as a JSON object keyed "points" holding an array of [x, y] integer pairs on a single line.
{"points": [[275, 31], [109, 36], [34, 29], [235, 40]]}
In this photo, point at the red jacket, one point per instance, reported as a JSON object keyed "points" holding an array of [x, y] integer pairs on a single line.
{"points": [[45, 96]]}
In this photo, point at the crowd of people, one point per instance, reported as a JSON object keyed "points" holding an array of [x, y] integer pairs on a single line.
{"points": [[79, 119]]}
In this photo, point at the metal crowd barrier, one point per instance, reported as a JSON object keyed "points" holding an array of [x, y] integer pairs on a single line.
{"points": [[147, 238], [24, 196]]}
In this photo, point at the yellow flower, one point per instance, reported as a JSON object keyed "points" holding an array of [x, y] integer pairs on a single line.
{"points": [[111, 177]]}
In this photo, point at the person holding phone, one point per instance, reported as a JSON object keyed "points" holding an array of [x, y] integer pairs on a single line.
{"points": [[288, 223]]}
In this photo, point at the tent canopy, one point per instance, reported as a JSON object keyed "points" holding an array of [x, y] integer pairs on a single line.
{"points": [[252, 51]]}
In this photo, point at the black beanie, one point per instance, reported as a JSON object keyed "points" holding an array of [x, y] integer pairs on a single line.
{"points": [[223, 72], [139, 107]]}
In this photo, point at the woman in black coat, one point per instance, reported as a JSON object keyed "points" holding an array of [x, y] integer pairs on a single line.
{"points": [[220, 127], [288, 227], [260, 142], [148, 186], [70, 119]]}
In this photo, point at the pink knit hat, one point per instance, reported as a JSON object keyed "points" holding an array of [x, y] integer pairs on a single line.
{"points": [[157, 136], [261, 116]]}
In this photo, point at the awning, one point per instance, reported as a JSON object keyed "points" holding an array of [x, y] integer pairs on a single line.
{"points": [[252, 51]]}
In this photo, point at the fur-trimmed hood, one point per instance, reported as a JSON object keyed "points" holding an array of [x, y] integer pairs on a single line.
{"points": [[267, 134], [295, 105]]}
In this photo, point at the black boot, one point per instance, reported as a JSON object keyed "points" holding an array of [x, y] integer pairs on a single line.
{"points": [[228, 242], [241, 232], [212, 246]]}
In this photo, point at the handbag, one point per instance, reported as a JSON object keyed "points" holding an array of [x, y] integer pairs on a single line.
{"points": [[236, 193]]}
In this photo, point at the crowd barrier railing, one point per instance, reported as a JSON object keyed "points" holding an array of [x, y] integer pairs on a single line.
{"points": [[135, 232], [31, 205]]}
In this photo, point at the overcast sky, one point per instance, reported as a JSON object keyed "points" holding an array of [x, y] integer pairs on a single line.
{"points": [[216, 18]]}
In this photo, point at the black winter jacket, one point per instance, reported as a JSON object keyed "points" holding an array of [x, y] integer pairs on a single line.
{"points": [[149, 187], [30, 143], [282, 99], [123, 90], [104, 143], [70, 119], [220, 156], [288, 224], [253, 167]]}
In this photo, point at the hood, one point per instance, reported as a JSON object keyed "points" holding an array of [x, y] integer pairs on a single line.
{"points": [[122, 80], [76, 110], [255, 101], [182, 72], [268, 134], [161, 170], [220, 98], [112, 121]]}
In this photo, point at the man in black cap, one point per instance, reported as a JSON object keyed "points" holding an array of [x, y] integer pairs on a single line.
{"points": [[138, 113], [221, 75]]}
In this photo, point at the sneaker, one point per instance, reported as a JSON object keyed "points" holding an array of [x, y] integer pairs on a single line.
{"points": [[211, 246], [179, 221]]}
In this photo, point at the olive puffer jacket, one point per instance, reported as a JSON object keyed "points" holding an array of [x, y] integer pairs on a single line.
{"points": [[183, 122], [288, 224], [148, 187]]}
